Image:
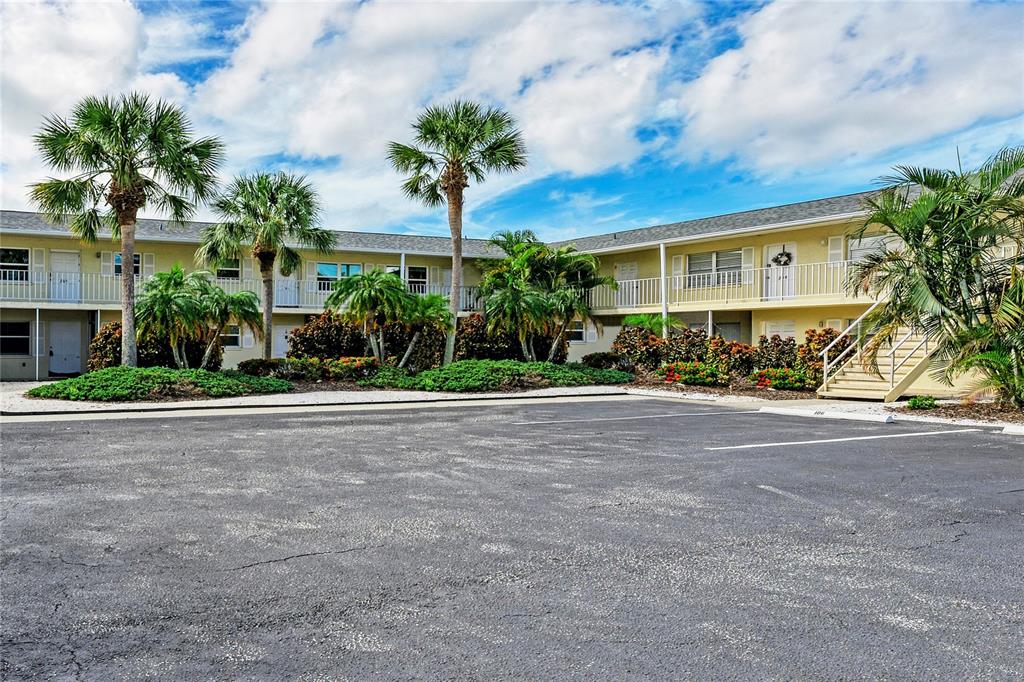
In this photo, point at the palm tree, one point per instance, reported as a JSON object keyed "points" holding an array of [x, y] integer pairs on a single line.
{"points": [[169, 308], [268, 213], [129, 153], [372, 299], [422, 313], [652, 322], [513, 304], [946, 271], [219, 308], [454, 143]]}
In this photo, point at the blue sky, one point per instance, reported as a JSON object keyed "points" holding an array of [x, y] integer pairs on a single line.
{"points": [[634, 113]]}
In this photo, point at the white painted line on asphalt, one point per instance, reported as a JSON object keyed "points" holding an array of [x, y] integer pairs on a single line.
{"points": [[830, 414], [1014, 429], [839, 440], [639, 416]]}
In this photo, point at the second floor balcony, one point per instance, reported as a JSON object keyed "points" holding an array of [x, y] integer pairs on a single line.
{"points": [[95, 290]]}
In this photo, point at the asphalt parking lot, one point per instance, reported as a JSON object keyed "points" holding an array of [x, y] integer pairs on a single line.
{"points": [[619, 539]]}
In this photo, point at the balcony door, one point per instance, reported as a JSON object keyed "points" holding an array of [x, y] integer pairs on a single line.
{"points": [[286, 292], [66, 277], [780, 271]]}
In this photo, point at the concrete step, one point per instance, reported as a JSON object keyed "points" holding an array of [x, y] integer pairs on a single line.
{"points": [[865, 376], [854, 393]]}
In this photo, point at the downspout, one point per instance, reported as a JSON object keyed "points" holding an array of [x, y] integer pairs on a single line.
{"points": [[711, 324], [664, 293]]}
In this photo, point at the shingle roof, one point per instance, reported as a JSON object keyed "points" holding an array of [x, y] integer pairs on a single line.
{"points": [[818, 209], [25, 221]]}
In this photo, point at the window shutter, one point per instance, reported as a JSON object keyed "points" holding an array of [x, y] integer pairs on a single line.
{"points": [[382, 268], [435, 276], [310, 276], [38, 266], [148, 265], [747, 264], [247, 268], [106, 263], [591, 332], [835, 249], [248, 340], [677, 272]]}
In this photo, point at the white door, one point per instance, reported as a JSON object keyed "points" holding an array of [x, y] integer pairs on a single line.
{"points": [[286, 289], [66, 278], [626, 274], [65, 347], [280, 346], [780, 273]]}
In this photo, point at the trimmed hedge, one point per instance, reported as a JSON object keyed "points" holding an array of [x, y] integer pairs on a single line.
{"points": [[119, 384], [311, 369], [105, 350], [468, 376], [693, 374]]}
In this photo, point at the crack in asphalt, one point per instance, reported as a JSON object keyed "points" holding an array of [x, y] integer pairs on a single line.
{"points": [[300, 556]]}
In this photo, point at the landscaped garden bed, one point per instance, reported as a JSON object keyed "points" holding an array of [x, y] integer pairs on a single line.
{"points": [[984, 411], [129, 384]]}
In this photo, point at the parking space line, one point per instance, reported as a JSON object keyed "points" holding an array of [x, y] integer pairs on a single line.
{"points": [[639, 416], [839, 440]]}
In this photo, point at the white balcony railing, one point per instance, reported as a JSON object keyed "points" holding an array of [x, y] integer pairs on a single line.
{"points": [[96, 289], [777, 283]]}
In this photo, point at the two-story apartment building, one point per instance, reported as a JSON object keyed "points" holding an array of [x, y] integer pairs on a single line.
{"points": [[777, 270]]}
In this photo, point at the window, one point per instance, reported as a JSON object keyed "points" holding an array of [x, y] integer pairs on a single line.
{"points": [[136, 258], [393, 270], [417, 279], [231, 336], [329, 273], [714, 268], [730, 331], [784, 328], [577, 332], [229, 269], [14, 265], [15, 338], [861, 248]]}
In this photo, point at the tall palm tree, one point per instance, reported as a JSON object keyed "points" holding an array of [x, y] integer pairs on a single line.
{"points": [[169, 308], [455, 143], [946, 271], [271, 214], [372, 299], [219, 308], [130, 153], [422, 313]]}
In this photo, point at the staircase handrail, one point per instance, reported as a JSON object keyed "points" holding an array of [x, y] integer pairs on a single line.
{"points": [[892, 360], [826, 363]]}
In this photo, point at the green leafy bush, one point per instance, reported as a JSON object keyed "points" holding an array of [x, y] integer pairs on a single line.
{"points": [[105, 350], [775, 353], [118, 384], [782, 378], [466, 376], [326, 336], [643, 348], [474, 342], [606, 360], [922, 402], [685, 345], [312, 369], [730, 357], [808, 353], [693, 374]]}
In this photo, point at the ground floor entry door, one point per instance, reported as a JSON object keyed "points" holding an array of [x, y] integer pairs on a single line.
{"points": [[65, 347]]}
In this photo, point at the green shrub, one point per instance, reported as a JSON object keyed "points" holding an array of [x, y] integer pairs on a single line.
{"points": [[312, 369], [775, 353], [326, 336], [808, 353], [258, 367], [643, 348], [118, 384], [470, 376], [105, 350], [473, 342], [693, 374], [922, 402], [685, 345], [605, 360], [730, 357], [782, 378]]}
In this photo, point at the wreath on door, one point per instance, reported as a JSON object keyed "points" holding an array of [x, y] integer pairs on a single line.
{"points": [[782, 258]]}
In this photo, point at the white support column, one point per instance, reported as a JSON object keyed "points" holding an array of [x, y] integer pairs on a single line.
{"points": [[664, 292], [401, 265], [38, 349], [711, 324]]}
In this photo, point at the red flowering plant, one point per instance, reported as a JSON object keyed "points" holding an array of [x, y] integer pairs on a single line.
{"points": [[782, 378], [693, 374]]}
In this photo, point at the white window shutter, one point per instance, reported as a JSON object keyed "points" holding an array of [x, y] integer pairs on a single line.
{"points": [[677, 272], [106, 263], [836, 252], [148, 265], [247, 268], [435, 276], [310, 276], [248, 340], [38, 261], [591, 332], [747, 264]]}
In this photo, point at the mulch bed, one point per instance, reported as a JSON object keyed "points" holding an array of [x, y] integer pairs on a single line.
{"points": [[980, 411], [737, 388]]}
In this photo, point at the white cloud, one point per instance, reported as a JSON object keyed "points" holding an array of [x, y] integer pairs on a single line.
{"points": [[813, 84]]}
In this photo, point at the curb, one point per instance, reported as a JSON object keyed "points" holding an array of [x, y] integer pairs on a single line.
{"points": [[1014, 430], [830, 414], [199, 405]]}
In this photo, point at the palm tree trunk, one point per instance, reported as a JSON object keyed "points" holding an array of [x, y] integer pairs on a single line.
{"points": [[129, 344], [374, 348], [183, 354], [455, 225], [525, 348], [533, 351], [557, 341], [208, 353], [408, 351], [176, 354], [267, 274]]}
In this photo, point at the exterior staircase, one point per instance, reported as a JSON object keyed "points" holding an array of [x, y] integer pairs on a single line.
{"points": [[899, 365]]}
